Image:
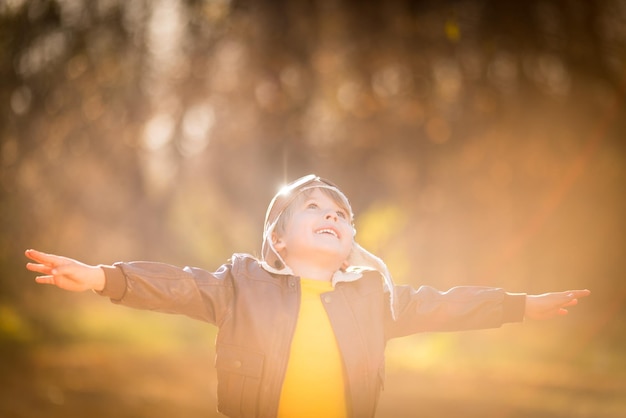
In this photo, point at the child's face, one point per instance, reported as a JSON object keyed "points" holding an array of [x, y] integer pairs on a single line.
{"points": [[318, 230]]}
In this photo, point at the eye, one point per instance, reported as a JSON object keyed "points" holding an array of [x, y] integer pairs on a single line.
{"points": [[342, 214], [312, 206]]}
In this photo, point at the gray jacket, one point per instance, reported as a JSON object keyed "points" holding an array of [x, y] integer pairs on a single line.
{"points": [[256, 314]]}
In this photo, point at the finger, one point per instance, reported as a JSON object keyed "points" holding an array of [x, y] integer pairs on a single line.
{"points": [[39, 268], [43, 258], [45, 279], [576, 293], [570, 295], [33, 254], [570, 303]]}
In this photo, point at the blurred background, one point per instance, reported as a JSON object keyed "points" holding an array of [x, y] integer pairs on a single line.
{"points": [[481, 142]]}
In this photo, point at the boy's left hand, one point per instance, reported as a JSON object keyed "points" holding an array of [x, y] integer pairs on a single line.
{"points": [[549, 305]]}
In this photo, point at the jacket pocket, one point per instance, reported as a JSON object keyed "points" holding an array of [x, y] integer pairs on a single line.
{"points": [[238, 380]]}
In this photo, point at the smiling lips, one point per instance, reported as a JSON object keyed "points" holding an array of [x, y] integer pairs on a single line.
{"points": [[327, 231]]}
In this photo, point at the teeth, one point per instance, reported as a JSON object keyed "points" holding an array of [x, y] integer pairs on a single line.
{"points": [[327, 231]]}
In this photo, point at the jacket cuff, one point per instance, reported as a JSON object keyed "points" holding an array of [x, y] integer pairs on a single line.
{"points": [[513, 307], [115, 282]]}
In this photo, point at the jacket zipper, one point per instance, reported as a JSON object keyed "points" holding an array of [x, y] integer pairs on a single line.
{"points": [[285, 349]]}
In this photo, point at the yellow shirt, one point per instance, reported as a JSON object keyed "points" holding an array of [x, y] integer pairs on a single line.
{"points": [[314, 384]]}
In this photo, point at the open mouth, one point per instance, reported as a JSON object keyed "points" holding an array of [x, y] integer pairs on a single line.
{"points": [[327, 231]]}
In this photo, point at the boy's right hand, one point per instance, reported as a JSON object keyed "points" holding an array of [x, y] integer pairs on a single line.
{"points": [[64, 272]]}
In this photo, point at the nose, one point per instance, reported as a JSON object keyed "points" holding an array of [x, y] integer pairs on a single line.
{"points": [[331, 215]]}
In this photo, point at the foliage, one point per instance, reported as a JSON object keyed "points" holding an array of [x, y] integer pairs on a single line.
{"points": [[480, 141]]}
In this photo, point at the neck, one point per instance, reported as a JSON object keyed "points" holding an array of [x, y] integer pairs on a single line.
{"points": [[313, 272]]}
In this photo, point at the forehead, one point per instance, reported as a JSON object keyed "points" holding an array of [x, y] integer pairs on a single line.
{"points": [[322, 193]]}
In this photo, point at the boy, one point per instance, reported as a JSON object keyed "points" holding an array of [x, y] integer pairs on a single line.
{"points": [[302, 331]]}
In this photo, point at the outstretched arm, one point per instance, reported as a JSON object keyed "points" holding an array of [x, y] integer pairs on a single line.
{"points": [[549, 305], [64, 272]]}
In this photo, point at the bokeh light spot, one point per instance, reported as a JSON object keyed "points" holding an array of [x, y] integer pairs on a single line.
{"points": [[158, 132]]}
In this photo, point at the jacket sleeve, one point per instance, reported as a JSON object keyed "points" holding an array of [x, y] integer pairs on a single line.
{"points": [[165, 288], [460, 308]]}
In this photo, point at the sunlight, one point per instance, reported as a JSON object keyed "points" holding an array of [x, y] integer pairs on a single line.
{"points": [[197, 124], [44, 51], [481, 143], [158, 132]]}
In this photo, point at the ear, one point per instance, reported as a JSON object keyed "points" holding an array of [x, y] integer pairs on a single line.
{"points": [[278, 243]]}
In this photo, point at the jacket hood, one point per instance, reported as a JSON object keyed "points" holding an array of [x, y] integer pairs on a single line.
{"points": [[359, 259]]}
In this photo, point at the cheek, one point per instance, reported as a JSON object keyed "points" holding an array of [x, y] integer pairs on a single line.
{"points": [[350, 230], [348, 247]]}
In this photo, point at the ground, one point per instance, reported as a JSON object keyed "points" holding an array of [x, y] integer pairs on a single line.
{"points": [[105, 380]]}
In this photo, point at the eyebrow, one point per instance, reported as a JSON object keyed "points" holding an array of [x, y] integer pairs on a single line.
{"points": [[340, 207]]}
